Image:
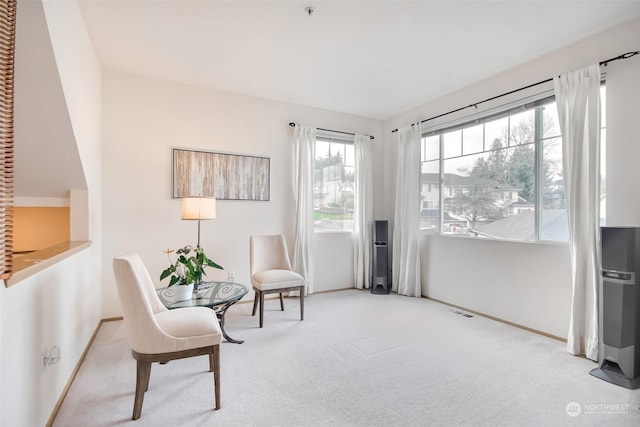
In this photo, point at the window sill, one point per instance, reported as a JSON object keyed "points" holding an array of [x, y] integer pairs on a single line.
{"points": [[490, 239], [34, 262]]}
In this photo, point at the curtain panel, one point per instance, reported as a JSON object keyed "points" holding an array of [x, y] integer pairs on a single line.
{"points": [[406, 221], [363, 212], [578, 100], [304, 142]]}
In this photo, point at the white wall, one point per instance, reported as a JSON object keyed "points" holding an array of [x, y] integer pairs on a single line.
{"points": [[508, 280], [144, 118], [623, 142], [529, 284], [60, 305], [51, 169], [333, 261]]}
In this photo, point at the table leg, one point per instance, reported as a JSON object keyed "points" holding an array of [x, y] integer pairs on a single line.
{"points": [[220, 312]]}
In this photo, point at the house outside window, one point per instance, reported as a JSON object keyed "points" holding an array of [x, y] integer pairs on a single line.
{"points": [[500, 177], [333, 185]]}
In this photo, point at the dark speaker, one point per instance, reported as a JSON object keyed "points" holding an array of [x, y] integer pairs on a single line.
{"points": [[382, 232], [618, 314], [620, 311], [380, 283]]}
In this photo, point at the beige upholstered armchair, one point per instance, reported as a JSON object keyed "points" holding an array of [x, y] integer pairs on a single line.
{"points": [[271, 271], [157, 334]]}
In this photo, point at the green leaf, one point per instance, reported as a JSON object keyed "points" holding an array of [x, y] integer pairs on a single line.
{"points": [[213, 265], [167, 272]]}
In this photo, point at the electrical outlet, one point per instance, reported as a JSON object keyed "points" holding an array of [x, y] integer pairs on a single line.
{"points": [[51, 356]]}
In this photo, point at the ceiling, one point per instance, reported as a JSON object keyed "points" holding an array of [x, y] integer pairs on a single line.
{"points": [[370, 58]]}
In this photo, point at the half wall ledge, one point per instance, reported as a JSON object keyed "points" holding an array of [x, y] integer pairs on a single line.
{"points": [[27, 265]]}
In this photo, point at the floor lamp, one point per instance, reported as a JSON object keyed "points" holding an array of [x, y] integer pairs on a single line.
{"points": [[198, 208]]}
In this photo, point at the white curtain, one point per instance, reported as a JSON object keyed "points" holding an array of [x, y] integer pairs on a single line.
{"points": [[406, 222], [363, 212], [578, 100], [304, 143]]}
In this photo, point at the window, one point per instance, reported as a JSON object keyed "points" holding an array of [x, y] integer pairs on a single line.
{"points": [[427, 204], [333, 185], [499, 177]]}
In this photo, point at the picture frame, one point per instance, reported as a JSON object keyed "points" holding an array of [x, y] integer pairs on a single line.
{"points": [[221, 175]]}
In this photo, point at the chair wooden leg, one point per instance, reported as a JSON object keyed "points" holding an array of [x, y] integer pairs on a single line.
{"points": [[261, 307], [216, 373], [142, 383], [146, 377], [301, 303], [255, 302], [281, 302]]}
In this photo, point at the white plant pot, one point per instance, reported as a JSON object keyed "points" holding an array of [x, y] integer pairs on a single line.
{"points": [[182, 292]]}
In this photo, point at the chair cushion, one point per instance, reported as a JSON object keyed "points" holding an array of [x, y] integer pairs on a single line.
{"points": [[197, 326], [276, 279]]}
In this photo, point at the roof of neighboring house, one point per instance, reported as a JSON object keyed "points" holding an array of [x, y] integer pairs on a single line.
{"points": [[522, 226], [449, 178], [435, 214], [523, 203]]}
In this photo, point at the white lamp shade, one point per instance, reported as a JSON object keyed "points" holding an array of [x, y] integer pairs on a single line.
{"points": [[198, 208]]}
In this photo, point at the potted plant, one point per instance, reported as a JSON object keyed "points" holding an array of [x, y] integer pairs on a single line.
{"points": [[187, 270]]}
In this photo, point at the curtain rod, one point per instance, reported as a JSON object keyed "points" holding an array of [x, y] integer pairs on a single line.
{"points": [[292, 124], [475, 105]]}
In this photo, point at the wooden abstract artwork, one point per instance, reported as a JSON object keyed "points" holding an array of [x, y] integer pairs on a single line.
{"points": [[223, 176]]}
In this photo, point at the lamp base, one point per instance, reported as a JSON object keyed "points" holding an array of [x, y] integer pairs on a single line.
{"points": [[197, 286]]}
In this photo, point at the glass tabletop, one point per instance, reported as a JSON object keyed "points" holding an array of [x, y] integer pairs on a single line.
{"points": [[209, 294]]}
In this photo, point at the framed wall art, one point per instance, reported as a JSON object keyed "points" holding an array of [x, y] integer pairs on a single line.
{"points": [[220, 175]]}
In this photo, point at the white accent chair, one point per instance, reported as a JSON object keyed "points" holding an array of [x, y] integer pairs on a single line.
{"points": [[271, 272], [157, 334]]}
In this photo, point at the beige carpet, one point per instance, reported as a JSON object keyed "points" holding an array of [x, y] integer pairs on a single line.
{"points": [[356, 360]]}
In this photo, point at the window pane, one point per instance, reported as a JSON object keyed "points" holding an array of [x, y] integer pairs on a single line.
{"points": [[452, 144], [464, 205], [553, 220], [430, 197], [337, 151], [333, 189], [322, 150], [485, 194], [522, 127], [431, 148], [349, 156], [550, 124], [495, 130], [472, 140]]}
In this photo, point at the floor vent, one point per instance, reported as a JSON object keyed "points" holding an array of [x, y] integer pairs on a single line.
{"points": [[461, 313]]}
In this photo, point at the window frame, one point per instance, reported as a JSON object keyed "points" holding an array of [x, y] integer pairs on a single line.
{"points": [[537, 104]]}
